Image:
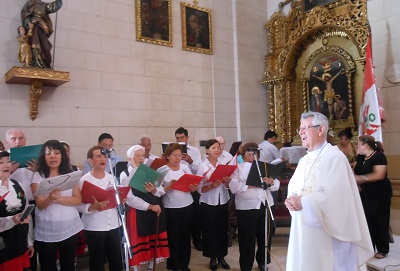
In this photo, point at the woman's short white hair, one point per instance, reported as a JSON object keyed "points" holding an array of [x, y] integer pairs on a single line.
{"points": [[130, 153]]}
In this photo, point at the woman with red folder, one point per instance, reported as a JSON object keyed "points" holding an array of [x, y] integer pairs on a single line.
{"points": [[179, 210], [15, 249], [214, 197], [147, 242]]}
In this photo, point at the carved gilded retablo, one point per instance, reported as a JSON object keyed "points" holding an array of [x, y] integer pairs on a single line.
{"points": [[315, 62]]}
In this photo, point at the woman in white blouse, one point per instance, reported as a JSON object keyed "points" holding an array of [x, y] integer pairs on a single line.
{"points": [[214, 199], [57, 221], [251, 210], [179, 210]]}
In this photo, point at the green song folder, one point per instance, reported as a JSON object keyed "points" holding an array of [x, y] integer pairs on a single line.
{"points": [[24, 154], [146, 174]]}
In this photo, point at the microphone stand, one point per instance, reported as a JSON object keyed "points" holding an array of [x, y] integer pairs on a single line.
{"points": [[267, 210], [121, 214]]}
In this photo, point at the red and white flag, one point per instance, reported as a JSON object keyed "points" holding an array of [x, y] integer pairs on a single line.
{"points": [[370, 121]]}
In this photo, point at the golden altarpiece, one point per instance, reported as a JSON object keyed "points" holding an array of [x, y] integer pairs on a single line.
{"points": [[315, 62]]}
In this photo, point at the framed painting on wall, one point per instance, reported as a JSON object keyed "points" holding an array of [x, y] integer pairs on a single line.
{"points": [[154, 22], [196, 29]]}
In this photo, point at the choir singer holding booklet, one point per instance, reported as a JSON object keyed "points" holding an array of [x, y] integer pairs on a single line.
{"points": [[214, 199], [251, 209], [178, 208]]}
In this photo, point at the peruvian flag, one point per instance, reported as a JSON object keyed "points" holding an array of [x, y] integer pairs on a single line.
{"points": [[370, 121]]}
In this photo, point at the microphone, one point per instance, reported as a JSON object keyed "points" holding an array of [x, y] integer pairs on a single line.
{"points": [[106, 151]]}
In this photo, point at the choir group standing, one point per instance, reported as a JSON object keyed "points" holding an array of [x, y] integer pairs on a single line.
{"points": [[160, 222]]}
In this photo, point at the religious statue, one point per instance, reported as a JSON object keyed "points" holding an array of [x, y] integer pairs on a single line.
{"points": [[24, 52], [36, 12]]}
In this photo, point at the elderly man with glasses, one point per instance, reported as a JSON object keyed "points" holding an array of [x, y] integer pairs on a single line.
{"points": [[328, 229]]}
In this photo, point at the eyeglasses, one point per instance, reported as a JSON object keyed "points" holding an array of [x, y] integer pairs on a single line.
{"points": [[298, 130]]}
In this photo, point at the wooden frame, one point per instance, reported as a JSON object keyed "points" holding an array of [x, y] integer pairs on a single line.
{"points": [[196, 29], [154, 21]]}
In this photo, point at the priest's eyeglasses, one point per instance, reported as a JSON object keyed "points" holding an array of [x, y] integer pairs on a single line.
{"points": [[300, 129]]}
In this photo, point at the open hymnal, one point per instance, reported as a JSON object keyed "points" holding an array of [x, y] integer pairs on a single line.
{"points": [[164, 146], [266, 170], [22, 155], [222, 171], [184, 182], [90, 190], [62, 182], [145, 174]]}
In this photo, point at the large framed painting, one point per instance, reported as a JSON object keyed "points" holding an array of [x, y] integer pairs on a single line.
{"points": [[196, 29], [329, 91], [309, 4], [154, 22]]}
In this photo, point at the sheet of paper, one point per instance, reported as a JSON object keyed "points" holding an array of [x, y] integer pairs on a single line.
{"points": [[62, 182]]}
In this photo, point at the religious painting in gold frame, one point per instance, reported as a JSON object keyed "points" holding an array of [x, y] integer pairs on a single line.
{"points": [[154, 21], [196, 29], [328, 90]]}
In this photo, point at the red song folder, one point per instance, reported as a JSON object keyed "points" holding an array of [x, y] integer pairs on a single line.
{"points": [[157, 163], [89, 190], [183, 182], [3, 197], [222, 171]]}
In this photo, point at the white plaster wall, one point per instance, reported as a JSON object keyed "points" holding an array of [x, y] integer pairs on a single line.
{"points": [[128, 88], [384, 17]]}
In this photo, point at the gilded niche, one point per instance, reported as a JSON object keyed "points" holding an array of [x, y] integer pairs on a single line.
{"points": [[315, 62]]}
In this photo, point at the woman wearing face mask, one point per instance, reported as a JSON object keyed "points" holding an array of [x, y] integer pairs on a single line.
{"points": [[57, 220]]}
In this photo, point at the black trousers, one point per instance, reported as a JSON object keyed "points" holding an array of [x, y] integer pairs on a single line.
{"points": [[251, 229], [197, 222], [215, 230], [48, 254], [179, 224], [102, 243], [378, 225]]}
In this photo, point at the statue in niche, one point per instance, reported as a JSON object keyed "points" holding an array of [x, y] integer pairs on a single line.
{"points": [[36, 12], [25, 51]]}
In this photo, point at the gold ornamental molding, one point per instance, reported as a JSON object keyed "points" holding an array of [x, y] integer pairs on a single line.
{"points": [[35, 78], [299, 41]]}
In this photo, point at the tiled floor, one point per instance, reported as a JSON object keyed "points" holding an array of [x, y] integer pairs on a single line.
{"points": [[279, 252]]}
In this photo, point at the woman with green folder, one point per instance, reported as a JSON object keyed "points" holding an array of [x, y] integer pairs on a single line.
{"points": [[149, 244]]}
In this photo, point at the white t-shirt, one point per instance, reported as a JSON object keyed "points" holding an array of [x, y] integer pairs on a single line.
{"points": [[175, 198], [57, 222]]}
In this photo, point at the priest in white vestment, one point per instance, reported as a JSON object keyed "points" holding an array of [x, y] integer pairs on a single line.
{"points": [[329, 231]]}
